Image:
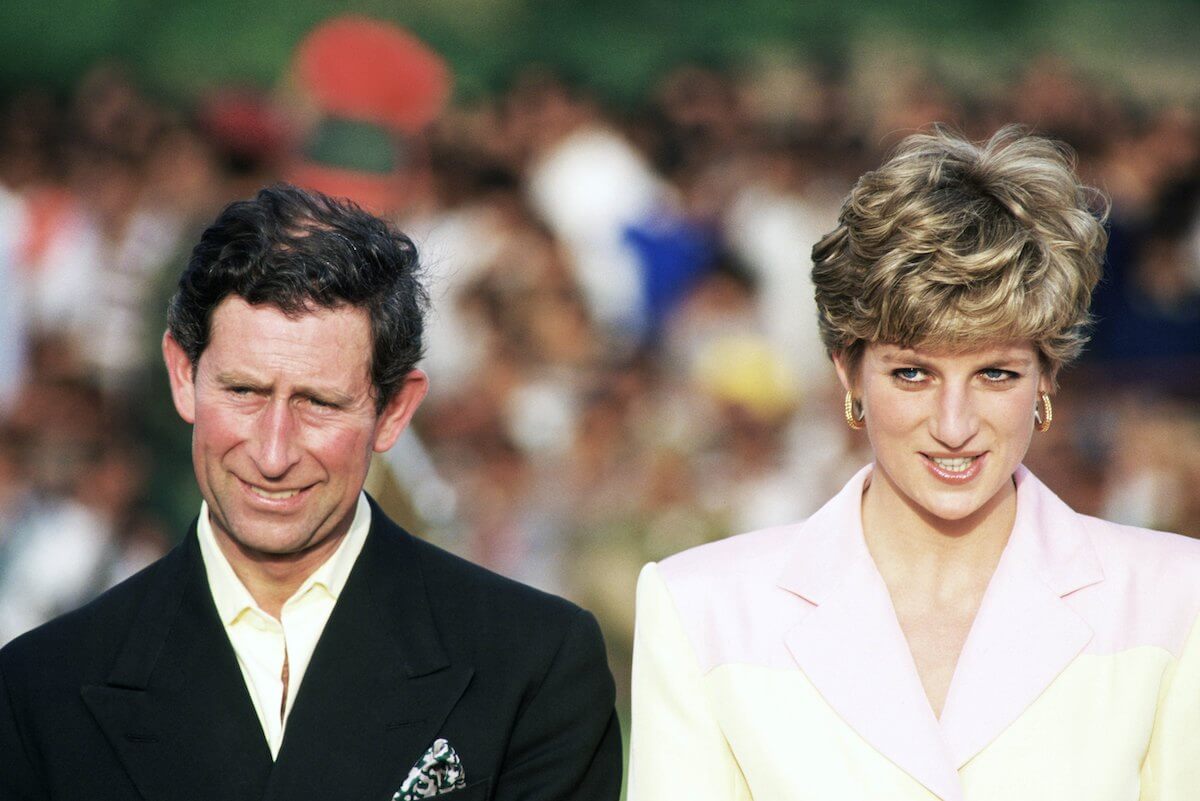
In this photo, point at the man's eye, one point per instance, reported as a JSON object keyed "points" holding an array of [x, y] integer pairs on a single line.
{"points": [[240, 390], [910, 374]]}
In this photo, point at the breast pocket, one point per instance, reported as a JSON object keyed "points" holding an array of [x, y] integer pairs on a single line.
{"points": [[477, 791]]}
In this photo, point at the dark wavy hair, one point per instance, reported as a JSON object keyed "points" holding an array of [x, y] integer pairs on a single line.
{"points": [[297, 249]]}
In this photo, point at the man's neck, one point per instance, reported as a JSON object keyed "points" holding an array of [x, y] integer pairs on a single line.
{"points": [[271, 579]]}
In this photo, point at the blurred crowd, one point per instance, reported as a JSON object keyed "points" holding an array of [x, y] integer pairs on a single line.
{"points": [[622, 344]]}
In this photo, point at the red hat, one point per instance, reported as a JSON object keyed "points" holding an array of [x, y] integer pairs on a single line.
{"points": [[376, 86], [370, 70]]}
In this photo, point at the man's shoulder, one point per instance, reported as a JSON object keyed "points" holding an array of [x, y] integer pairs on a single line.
{"points": [[449, 578], [466, 597]]}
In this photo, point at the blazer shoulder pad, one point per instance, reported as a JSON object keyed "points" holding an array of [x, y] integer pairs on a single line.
{"points": [[751, 556], [466, 595]]}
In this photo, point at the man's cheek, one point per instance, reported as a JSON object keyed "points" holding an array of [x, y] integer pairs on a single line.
{"points": [[335, 445]]}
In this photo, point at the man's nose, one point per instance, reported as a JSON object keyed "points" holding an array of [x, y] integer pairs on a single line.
{"points": [[955, 420], [275, 449]]}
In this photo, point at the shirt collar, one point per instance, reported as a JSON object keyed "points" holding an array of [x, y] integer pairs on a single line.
{"points": [[232, 598]]}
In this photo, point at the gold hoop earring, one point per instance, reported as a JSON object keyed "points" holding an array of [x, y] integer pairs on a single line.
{"points": [[853, 420], [1043, 419]]}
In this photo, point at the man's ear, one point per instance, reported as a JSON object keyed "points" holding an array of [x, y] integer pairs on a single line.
{"points": [[399, 410], [181, 374]]}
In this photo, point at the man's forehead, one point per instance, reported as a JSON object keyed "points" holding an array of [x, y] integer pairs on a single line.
{"points": [[236, 310], [295, 310], [340, 336]]}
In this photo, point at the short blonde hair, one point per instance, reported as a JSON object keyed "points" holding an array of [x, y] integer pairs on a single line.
{"points": [[952, 245]]}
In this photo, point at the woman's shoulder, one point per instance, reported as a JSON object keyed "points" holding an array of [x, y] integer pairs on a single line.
{"points": [[752, 556], [1153, 567], [1142, 553], [1159, 567], [762, 554], [725, 596], [1150, 591]]}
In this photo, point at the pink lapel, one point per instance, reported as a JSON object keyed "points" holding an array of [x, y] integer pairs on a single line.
{"points": [[1025, 634], [851, 647]]}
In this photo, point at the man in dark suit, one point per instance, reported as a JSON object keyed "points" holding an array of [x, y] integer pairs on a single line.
{"points": [[298, 644]]}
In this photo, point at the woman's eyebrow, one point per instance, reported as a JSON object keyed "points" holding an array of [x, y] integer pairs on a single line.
{"points": [[912, 357], [1008, 359], [905, 355]]}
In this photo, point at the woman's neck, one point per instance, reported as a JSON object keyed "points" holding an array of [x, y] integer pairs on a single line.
{"points": [[911, 546]]}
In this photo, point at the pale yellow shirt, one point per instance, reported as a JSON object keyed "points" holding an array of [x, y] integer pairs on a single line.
{"points": [[259, 640]]}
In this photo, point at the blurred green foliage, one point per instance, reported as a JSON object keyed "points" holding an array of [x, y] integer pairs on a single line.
{"points": [[180, 47]]}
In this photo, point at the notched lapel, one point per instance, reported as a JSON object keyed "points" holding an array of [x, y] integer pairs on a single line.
{"points": [[852, 650], [1024, 634], [359, 734], [378, 688], [1022, 639], [157, 707], [851, 647]]}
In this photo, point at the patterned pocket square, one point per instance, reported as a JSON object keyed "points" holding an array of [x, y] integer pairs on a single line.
{"points": [[438, 771]]}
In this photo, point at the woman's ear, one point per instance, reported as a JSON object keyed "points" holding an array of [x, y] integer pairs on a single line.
{"points": [[1046, 382], [844, 370]]}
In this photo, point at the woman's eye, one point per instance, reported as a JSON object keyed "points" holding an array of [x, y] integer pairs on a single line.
{"points": [[910, 374], [996, 374]]}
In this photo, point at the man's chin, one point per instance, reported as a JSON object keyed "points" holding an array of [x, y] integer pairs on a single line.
{"points": [[267, 540]]}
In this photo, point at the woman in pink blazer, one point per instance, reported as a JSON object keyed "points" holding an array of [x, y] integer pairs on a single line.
{"points": [[945, 627]]}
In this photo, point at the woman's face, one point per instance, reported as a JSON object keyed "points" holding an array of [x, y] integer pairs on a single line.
{"points": [[948, 429]]}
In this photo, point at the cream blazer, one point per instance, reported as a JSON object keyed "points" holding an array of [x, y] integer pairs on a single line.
{"points": [[771, 666]]}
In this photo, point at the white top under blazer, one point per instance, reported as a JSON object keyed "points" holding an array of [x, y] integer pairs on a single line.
{"points": [[771, 666]]}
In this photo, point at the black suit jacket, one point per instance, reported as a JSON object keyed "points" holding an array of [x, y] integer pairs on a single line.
{"points": [[138, 695]]}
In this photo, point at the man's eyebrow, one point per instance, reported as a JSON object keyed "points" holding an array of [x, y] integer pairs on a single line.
{"points": [[234, 378], [331, 396]]}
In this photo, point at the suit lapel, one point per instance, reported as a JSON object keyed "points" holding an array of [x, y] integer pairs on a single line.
{"points": [[175, 707], [851, 647], [1025, 634], [379, 685]]}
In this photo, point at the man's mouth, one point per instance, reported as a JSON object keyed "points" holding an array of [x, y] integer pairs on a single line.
{"points": [[274, 495]]}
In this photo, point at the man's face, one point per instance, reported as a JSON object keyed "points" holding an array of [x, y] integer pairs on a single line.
{"points": [[284, 424]]}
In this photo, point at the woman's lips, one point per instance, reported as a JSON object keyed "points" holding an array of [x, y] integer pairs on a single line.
{"points": [[954, 469]]}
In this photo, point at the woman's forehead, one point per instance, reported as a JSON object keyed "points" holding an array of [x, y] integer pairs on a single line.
{"points": [[993, 352]]}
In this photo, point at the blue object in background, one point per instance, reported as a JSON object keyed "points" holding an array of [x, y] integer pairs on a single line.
{"points": [[674, 253]]}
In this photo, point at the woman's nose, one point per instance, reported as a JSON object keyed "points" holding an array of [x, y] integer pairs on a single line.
{"points": [[954, 421]]}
